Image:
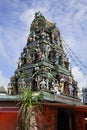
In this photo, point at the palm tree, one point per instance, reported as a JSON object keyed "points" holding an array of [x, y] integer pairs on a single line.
{"points": [[29, 101]]}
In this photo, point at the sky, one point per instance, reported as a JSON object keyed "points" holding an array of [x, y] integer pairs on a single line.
{"points": [[16, 16]]}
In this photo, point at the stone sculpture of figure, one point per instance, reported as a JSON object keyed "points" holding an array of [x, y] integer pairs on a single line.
{"points": [[37, 48], [57, 58], [66, 87], [43, 84], [37, 14], [34, 36], [48, 37], [23, 83], [55, 88], [10, 90], [75, 88], [75, 91], [38, 82], [47, 84], [71, 89], [20, 62], [52, 37], [61, 88], [47, 51], [41, 56], [43, 34], [29, 59], [30, 39], [28, 50]]}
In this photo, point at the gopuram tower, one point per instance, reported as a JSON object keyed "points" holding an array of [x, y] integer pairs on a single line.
{"points": [[43, 64]]}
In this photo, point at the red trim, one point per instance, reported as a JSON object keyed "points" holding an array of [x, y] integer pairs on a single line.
{"points": [[67, 106], [59, 105], [10, 109], [81, 108]]}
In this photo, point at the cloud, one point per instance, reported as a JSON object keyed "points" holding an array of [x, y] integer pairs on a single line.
{"points": [[3, 80], [28, 15], [79, 77], [2, 50]]}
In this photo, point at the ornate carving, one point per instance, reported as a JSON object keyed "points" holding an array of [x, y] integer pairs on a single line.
{"points": [[66, 88], [10, 89], [61, 88], [44, 50], [43, 84], [71, 89], [29, 59], [55, 87]]}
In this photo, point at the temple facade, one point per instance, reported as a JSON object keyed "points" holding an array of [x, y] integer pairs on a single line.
{"points": [[43, 63], [44, 67]]}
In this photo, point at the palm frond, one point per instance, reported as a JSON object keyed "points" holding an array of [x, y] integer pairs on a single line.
{"points": [[29, 103]]}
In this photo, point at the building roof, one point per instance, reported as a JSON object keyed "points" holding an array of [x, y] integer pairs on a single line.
{"points": [[8, 98]]}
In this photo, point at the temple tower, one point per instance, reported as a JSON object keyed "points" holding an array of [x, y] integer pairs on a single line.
{"points": [[43, 63]]}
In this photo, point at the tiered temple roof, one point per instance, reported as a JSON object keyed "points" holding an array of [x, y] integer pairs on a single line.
{"points": [[43, 64]]}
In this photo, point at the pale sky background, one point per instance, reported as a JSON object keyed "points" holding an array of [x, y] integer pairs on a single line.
{"points": [[16, 16]]}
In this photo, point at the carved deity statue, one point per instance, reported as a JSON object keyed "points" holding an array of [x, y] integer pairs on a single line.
{"points": [[43, 34], [20, 62], [38, 80], [37, 14], [47, 84], [43, 84], [29, 59], [61, 87], [71, 89], [41, 56], [37, 48], [10, 90], [55, 87]]}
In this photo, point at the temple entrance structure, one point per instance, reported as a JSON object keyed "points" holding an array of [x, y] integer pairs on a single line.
{"points": [[44, 67], [63, 120]]}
